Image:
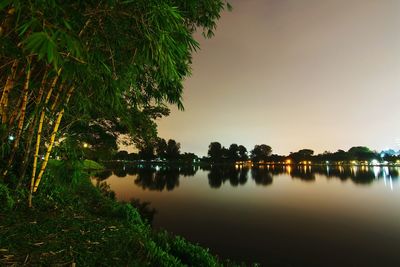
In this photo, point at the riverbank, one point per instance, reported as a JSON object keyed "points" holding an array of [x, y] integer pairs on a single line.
{"points": [[74, 223]]}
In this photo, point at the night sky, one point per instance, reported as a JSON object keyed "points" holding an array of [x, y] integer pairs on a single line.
{"points": [[293, 74]]}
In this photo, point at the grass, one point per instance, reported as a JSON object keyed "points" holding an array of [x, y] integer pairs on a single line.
{"points": [[75, 223], [92, 165]]}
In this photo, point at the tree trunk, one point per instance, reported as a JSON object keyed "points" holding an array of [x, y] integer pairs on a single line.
{"points": [[50, 147], [39, 136], [21, 119], [31, 131], [7, 88]]}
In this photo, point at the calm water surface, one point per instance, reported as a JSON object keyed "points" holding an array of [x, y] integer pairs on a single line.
{"points": [[277, 216]]}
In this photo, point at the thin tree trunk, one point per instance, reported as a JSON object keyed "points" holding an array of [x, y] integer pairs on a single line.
{"points": [[50, 147], [31, 131], [39, 136], [14, 114], [7, 88], [21, 119], [53, 106], [4, 26]]}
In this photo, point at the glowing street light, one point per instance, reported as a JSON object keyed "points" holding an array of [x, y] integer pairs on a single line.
{"points": [[85, 145], [11, 138]]}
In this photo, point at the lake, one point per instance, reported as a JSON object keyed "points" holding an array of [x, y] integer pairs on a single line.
{"points": [[274, 215]]}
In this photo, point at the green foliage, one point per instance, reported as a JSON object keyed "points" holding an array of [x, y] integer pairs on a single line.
{"points": [[130, 214], [6, 199], [92, 165], [126, 61]]}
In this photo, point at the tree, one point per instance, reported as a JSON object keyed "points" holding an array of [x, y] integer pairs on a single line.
{"points": [[233, 152], [173, 150], [242, 153], [146, 151], [215, 151], [261, 152], [189, 157], [301, 155], [361, 153], [161, 148], [121, 155], [93, 61], [340, 155]]}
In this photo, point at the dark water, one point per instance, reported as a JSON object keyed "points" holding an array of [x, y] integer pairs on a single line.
{"points": [[277, 216]]}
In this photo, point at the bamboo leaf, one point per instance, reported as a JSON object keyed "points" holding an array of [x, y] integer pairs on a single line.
{"points": [[5, 3], [66, 23]]}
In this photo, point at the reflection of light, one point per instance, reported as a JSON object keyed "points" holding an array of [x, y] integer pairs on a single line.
{"points": [[341, 169], [376, 171], [374, 162], [385, 171], [327, 170], [391, 183], [364, 168], [289, 169]]}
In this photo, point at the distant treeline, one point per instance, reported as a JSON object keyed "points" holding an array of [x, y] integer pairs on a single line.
{"points": [[169, 151]]}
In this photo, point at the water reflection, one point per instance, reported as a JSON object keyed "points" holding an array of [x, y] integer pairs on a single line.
{"points": [[218, 175], [261, 176], [166, 177]]}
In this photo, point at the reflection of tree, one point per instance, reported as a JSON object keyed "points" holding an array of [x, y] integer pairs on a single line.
{"points": [[120, 172], [166, 177], [363, 177], [261, 176], [188, 170], [219, 174], [158, 180], [103, 175], [215, 177], [243, 175], [304, 173]]}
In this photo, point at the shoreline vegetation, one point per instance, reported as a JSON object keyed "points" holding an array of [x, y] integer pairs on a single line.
{"points": [[163, 152], [73, 223], [249, 163]]}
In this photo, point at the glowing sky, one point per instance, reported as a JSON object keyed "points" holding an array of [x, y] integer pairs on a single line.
{"points": [[319, 74]]}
